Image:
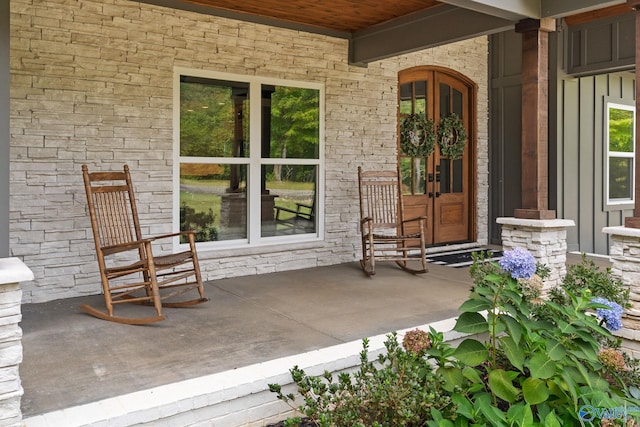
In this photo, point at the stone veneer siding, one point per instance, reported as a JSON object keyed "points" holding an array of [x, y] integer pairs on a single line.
{"points": [[625, 265], [91, 82]]}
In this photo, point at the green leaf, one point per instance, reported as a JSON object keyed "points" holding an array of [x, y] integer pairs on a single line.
{"points": [[568, 385], [451, 376], [500, 384], [587, 376], [551, 420], [520, 415], [484, 403], [471, 352], [475, 304], [555, 350], [541, 366], [472, 323], [472, 375], [534, 391], [514, 352], [463, 406], [512, 295], [513, 327]]}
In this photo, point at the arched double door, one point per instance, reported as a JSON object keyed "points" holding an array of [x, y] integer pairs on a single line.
{"points": [[437, 186]]}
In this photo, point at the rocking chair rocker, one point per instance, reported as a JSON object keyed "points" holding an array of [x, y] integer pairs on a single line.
{"points": [[384, 231], [129, 270]]}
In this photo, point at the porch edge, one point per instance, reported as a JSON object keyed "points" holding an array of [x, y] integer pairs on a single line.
{"points": [[234, 398]]}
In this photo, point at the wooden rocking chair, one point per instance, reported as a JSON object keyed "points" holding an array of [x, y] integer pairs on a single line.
{"points": [[384, 231], [129, 270]]}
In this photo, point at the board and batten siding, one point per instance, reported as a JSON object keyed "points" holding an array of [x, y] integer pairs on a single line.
{"points": [[581, 157]]}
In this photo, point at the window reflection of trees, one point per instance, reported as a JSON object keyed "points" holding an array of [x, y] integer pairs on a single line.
{"points": [[215, 123]]}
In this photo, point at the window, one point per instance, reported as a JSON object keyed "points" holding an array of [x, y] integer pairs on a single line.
{"points": [[620, 153], [249, 156]]}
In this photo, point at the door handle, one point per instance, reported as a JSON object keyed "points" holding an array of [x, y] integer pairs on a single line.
{"points": [[437, 194], [430, 177]]}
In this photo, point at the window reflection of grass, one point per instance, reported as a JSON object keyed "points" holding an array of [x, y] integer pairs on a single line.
{"points": [[219, 183], [202, 202], [290, 185]]}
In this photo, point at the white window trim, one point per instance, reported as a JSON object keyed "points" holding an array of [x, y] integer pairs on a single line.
{"points": [[253, 162], [618, 204]]}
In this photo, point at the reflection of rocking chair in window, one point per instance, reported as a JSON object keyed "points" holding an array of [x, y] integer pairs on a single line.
{"points": [[294, 221], [383, 229], [129, 270]]}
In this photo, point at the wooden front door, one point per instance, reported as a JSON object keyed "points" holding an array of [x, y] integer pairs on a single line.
{"points": [[440, 187]]}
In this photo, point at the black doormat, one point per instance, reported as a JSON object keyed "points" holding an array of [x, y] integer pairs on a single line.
{"points": [[462, 258]]}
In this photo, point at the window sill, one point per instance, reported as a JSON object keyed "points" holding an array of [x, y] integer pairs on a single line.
{"points": [[265, 248]]}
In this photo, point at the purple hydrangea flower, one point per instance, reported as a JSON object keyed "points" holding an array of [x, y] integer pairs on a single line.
{"points": [[612, 316], [519, 263]]}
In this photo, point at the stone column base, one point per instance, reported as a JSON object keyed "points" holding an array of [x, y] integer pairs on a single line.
{"points": [[546, 239], [624, 252], [12, 271]]}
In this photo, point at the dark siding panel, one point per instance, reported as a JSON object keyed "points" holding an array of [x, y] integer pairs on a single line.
{"points": [[601, 46], [600, 216], [505, 128], [570, 170], [586, 158]]}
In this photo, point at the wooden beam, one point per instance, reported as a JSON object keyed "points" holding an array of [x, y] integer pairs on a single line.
{"points": [[585, 17], [634, 222], [421, 30], [562, 8], [535, 119]]}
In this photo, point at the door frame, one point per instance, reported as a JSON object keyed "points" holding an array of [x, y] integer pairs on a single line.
{"points": [[413, 74]]}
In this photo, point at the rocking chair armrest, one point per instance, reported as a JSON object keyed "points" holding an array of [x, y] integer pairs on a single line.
{"points": [[418, 218], [123, 247], [166, 236], [366, 219]]}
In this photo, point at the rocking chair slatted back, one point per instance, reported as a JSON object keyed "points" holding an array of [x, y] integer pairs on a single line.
{"points": [[113, 207], [116, 223], [380, 199]]}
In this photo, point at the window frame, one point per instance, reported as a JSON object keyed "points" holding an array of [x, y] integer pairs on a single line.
{"points": [[626, 203], [253, 162]]}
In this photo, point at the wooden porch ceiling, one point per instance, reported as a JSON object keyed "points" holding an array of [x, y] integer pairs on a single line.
{"points": [[345, 16], [378, 29]]}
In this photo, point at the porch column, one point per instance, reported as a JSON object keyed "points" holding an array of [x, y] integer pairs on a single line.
{"points": [[634, 222], [546, 240], [625, 265], [535, 118], [12, 272]]}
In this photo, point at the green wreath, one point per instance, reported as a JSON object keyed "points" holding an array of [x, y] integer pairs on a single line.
{"points": [[451, 136], [417, 135]]}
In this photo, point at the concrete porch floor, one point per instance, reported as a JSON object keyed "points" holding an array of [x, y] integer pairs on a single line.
{"points": [[71, 358]]}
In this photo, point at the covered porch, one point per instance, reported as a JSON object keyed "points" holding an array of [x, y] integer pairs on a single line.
{"points": [[79, 370], [73, 359]]}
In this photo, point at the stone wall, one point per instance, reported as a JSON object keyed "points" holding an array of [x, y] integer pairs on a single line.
{"points": [[92, 82]]}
